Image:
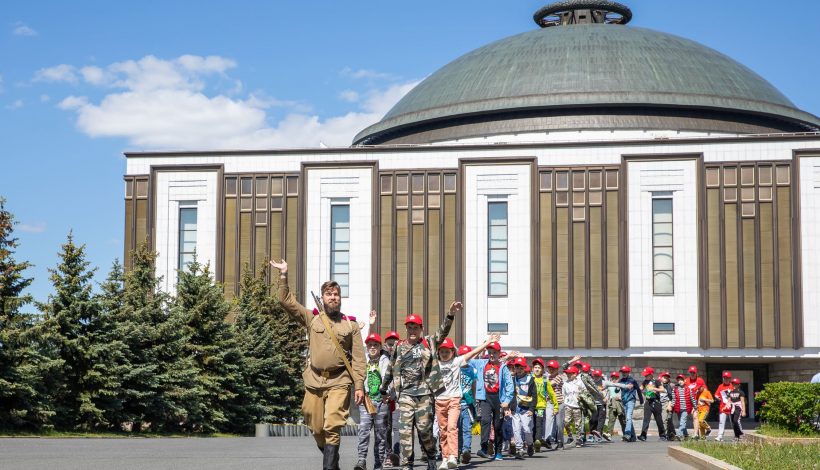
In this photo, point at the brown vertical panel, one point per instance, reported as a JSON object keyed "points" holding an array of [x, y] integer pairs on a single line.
{"points": [[596, 300], [713, 270], [612, 270], [546, 271], [579, 280], [260, 255], [767, 275], [292, 241], [784, 255], [276, 235], [142, 221], [386, 246], [402, 304], [129, 236], [449, 248], [229, 265], [732, 286], [749, 284], [433, 264], [418, 272], [562, 275], [245, 228]]}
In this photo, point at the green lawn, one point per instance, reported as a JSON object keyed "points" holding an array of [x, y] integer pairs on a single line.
{"points": [[750, 456], [777, 431]]}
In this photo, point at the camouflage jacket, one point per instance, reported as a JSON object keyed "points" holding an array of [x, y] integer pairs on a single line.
{"points": [[432, 372]]}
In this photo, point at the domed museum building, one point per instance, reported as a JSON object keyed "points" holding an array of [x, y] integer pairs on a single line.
{"points": [[585, 187]]}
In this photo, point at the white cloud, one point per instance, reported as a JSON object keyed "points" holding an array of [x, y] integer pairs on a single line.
{"points": [[366, 74], [44, 98], [22, 30], [1, 84], [37, 227], [58, 73], [15, 105], [349, 95], [164, 104]]}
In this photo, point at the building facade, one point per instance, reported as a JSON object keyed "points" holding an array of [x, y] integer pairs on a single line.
{"points": [[586, 187]]}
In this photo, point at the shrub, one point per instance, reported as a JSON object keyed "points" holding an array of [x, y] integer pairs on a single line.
{"points": [[792, 406]]}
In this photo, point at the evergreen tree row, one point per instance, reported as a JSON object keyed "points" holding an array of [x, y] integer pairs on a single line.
{"points": [[130, 357]]}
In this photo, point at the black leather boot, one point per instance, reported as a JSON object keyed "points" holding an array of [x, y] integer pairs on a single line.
{"points": [[330, 460]]}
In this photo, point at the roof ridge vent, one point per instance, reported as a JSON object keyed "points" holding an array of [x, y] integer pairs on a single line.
{"points": [[570, 12]]}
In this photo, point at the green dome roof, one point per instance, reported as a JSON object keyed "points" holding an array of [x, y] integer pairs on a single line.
{"points": [[585, 67]]}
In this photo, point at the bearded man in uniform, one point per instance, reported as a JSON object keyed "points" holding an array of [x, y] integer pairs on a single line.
{"points": [[327, 381]]}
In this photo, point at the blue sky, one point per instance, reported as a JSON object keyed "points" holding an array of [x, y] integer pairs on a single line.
{"points": [[81, 82]]}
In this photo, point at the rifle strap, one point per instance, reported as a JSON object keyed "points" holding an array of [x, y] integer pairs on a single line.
{"points": [[339, 351]]}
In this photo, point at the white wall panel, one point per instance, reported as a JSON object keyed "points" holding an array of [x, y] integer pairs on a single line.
{"points": [[645, 308], [509, 183], [810, 255], [173, 187], [355, 186]]}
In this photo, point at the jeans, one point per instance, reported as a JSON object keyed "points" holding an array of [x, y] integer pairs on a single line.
{"points": [[682, 417], [629, 407], [555, 428], [378, 423], [491, 415], [465, 422], [598, 419], [652, 408]]}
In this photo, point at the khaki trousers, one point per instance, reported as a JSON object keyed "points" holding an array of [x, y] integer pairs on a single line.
{"points": [[326, 411]]}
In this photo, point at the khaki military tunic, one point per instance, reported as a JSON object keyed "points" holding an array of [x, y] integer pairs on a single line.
{"points": [[325, 368]]}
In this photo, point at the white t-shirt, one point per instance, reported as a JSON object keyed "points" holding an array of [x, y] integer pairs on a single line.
{"points": [[451, 374]]}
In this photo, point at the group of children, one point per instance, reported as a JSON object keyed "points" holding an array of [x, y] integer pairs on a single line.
{"points": [[522, 407]]}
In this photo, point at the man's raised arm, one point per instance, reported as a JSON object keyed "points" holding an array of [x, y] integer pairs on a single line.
{"points": [[444, 328], [296, 310]]}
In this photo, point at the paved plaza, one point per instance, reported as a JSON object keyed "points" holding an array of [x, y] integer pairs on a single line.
{"points": [[289, 453]]}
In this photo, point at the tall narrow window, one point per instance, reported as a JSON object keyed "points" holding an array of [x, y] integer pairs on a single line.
{"points": [[663, 275], [497, 248], [340, 245], [187, 233]]}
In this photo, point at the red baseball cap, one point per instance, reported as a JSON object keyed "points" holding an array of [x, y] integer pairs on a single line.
{"points": [[597, 373], [647, 371], [666, 373], [413, 318], [520, 361], [553, 364], [680, 376], [391, 335], [585, 367], [571, 370], [447, 343], [727, 374], [693, 370], [614, 374], [494, 345], [736, 381], [626, 369], [464, 350], [538, 361], [578, 363], [373, 337]]}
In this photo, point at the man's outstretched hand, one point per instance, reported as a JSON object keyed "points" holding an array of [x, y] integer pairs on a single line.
{"points": [[455, 307], [282, 266], [358, 397]]}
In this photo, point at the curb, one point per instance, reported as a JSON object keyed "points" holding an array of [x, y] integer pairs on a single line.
{"points": [[761, 439], [698, 460]]}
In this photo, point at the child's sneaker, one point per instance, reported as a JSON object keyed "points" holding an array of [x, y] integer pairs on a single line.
{"points": [[530, 450], [452, 462], [499, 457], [537, 445], [360, 465]]}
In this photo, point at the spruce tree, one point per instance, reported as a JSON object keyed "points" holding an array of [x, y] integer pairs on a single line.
{"points": [[221, 402], [66, 317], [101, 398], [273, 347], [159, 383], [24, 361]]}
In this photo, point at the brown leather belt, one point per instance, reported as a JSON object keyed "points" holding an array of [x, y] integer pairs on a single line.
{"points": [[326, 374]]}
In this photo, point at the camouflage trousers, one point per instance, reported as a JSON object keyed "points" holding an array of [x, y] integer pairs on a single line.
{"points": [[418, 412]]}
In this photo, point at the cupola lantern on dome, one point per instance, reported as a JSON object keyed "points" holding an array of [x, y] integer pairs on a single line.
{"points": [[586, 69], [582, 12]]}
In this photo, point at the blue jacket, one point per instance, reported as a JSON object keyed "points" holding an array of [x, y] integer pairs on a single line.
{"points": [[506, 388], [628, 395]]}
